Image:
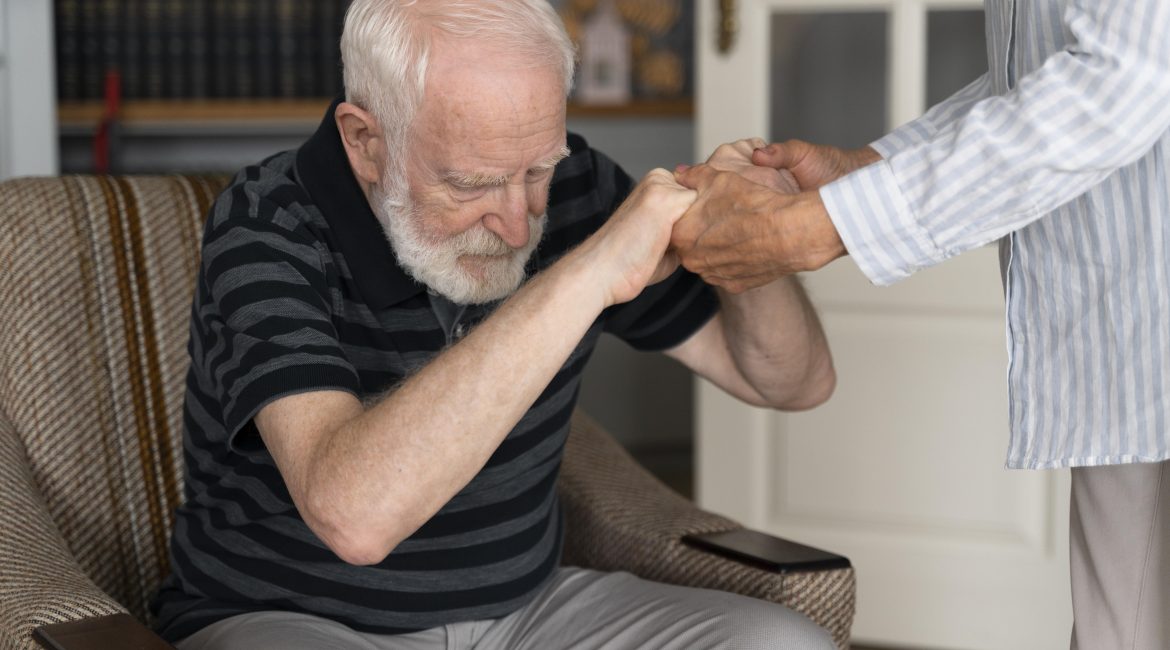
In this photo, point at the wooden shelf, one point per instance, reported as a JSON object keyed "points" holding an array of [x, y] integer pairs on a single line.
{"points": [[683, 107], [159, 113], [185, 111]]}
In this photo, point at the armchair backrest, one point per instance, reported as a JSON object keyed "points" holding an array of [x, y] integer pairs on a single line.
{"points": [[96, 279]]}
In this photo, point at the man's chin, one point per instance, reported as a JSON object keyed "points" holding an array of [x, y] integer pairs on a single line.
{"points": [[481, 279], [476, 293]]}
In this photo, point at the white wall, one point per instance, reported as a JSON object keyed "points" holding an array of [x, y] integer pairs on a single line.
{"points": [[28, 123]]}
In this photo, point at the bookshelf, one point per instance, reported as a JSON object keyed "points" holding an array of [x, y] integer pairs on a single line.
{"points": [[226, 66]]}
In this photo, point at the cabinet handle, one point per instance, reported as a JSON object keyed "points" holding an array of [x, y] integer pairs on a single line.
{"points": [[727, 25]]}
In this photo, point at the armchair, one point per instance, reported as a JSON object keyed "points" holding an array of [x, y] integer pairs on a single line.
{"points": [[96, 275]]}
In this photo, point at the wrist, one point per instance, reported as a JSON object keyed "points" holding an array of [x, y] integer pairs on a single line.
{"points": [[822, 242], [866, 155], [580, 272]]}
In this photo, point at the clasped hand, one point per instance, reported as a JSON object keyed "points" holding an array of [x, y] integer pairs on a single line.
{"points": [[757, 215]]}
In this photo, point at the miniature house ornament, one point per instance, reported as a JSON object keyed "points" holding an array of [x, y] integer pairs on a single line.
{"points": [[605, 57]]}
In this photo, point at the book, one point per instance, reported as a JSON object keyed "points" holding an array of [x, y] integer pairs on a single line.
{"points": [[154, 49], [330, 23], [243, 29], [198, 54], [131, 55], [196, 49], [288, 13], [174, 37], [264, 61], [93, 67], [68, 49], [221, 55]]}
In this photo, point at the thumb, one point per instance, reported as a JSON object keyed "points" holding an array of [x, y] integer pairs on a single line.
{"points": [[775, 155], [696, 177]]}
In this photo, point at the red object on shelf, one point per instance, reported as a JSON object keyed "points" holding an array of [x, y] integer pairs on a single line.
{"points": [[105, 138]]}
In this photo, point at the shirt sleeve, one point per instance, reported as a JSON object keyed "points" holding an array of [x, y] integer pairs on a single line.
{"points": [[958, 179], [266, 321], [934, 120]]}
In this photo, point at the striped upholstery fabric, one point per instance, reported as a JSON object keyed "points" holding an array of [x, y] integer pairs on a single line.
{"points": [[620, 518], [94, 297], [95, 289]]}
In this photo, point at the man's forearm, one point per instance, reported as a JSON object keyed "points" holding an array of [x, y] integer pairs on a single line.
{"points": [[364, 479], [387, 471], [775, 339]]}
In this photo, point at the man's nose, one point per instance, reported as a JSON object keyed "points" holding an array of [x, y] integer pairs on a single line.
{"points": [[510, 220]]}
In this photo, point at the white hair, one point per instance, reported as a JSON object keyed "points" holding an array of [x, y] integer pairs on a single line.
{"points": [[386, 43]]}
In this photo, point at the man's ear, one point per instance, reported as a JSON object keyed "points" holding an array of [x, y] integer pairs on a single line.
{"points": [[364, 145]]}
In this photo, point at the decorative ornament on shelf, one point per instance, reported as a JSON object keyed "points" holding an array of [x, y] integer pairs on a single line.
{"points": [[660, 36], [656, 17], [605, 57]]}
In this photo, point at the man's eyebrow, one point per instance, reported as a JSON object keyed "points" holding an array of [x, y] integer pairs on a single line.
{"points": [[552, 161], [475, 179], [480, 179]]}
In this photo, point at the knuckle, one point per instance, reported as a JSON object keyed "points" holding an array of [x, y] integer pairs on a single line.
{"points": [[724, 151]]}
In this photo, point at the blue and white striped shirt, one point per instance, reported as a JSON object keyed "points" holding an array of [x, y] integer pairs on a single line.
{"points": [[1063, 148]]}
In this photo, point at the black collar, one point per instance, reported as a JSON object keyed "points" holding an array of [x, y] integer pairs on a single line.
{"points": [[322, 168]]}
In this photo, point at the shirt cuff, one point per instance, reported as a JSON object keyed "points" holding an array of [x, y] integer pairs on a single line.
{"points": [[877, 226]]}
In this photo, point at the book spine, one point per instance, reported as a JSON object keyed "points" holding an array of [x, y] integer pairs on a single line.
{"points": [[199, 82], [222, 54], [308, 49], [243, 54], [329, 58], [93, 67], [130, 60], [153, 49], [111, 38], [265, 47], [287, 47], [175, 44], [68, 34]]}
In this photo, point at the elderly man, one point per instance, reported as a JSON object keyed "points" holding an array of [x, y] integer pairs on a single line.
{"points": [[378, 400]]}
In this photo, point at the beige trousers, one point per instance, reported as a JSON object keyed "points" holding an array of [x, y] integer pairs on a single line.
{"points": [[579, 609], [1120, 557]]}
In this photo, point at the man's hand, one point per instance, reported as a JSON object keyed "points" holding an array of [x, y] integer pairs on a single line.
{"points": [[747, 227], [738, 157], [765, 346], [813, 165], [630, 251], [739, 235]]}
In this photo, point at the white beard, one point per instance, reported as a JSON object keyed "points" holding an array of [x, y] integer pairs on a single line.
{"points": [[438, 264]]}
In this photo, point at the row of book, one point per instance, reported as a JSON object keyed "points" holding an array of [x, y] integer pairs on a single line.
{"points": [[199, 49]]}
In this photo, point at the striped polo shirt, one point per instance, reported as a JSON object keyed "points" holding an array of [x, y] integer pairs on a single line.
{"points": [[299, 290]]}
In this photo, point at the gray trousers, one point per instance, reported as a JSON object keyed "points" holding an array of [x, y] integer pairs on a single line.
{"points": [[1120, 557], [579, 609]]}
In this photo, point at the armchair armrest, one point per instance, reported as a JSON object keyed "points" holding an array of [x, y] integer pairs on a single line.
{"points": [[620, 518], [40, 582]]}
